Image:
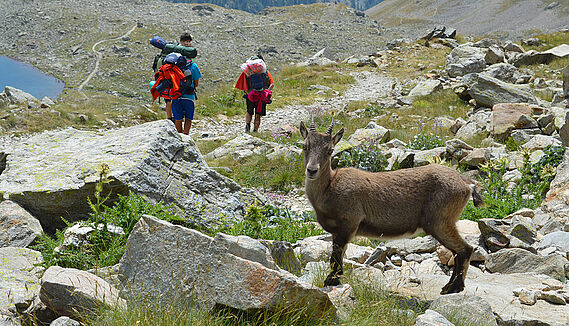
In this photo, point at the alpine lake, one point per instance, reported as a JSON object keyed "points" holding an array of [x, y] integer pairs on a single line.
{"points": [[29, 79]]}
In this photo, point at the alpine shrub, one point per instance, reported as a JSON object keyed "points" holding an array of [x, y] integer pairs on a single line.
{"points": [[365, 156]]}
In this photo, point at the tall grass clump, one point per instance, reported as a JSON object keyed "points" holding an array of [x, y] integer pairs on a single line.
{"points": [[503, 197], [149, 312], [293, 83], [104, 246], [269, 222], [377, 306]]}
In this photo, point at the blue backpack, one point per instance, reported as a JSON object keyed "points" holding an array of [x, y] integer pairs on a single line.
{"points": [[258, 82]]}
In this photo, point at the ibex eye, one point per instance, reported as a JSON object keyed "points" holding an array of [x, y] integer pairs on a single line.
{"points": [[330, 151], [304, 147]]}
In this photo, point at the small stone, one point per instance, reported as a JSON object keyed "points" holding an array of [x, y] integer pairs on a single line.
{"points": [[527, 297], [552, 284], [553, 297]]}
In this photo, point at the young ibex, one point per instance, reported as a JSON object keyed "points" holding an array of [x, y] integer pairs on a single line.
{"points": [[350, 202]]}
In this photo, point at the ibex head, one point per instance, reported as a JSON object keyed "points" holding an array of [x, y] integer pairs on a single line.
{"points": [[318, 148]]}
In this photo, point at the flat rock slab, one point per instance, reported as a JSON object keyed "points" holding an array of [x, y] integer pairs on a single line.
{"points": [[19, 279], [496, 289], [53, 173]]}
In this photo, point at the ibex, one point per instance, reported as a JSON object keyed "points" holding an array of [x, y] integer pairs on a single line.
{"points": [[350, 202]]}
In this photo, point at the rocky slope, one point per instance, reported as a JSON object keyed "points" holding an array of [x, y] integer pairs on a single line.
{"points": [[508, 18]]}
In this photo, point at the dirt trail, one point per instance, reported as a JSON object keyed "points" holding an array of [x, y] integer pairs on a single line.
{"points": [[368, 86], [99, 56]]}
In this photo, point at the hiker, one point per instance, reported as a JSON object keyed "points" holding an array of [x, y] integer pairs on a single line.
{"points": [[257, 84], [184, 48], [184, 106]]}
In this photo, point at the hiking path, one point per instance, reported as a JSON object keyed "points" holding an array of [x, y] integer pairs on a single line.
{"points": [[368, 86]]}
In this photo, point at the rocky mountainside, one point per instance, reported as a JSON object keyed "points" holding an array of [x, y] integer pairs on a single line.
{"points": [[258, 5], [506, 18], [64, 41]]}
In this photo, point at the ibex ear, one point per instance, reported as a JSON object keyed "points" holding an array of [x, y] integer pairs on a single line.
{"points": [[338, 136], [303, 130]]}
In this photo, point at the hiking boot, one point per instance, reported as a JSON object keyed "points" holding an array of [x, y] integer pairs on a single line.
{"points": [[247, 127]]}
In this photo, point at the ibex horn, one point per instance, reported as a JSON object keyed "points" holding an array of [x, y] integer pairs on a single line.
{"points": [[329, 131], [312, 127]]}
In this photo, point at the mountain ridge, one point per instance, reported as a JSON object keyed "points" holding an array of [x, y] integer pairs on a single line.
{"points": [[505, 19]]}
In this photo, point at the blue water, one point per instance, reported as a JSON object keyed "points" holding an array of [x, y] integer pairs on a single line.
{"points": [[29, 79]]}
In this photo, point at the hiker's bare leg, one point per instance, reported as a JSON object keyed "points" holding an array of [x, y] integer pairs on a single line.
{"points": [[169, 110], [257, 122], [248, 117], [187, 126], [178, 124]]}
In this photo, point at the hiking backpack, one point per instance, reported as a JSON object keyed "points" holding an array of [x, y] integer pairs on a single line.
{"points": [[256, 71], [167, 48]]}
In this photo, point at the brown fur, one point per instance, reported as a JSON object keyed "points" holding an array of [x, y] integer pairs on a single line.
{"points": [[350, 202]]}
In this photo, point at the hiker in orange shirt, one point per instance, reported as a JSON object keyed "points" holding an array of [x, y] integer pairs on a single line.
{"points": [[257, 84]]}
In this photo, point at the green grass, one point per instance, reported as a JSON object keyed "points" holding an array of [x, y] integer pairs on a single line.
{"points": [[224, 100], [292, 84], [280, 174], [417, 61], [207, 146], [373, 306], [103, 248], [501, 200], [270, 222]]}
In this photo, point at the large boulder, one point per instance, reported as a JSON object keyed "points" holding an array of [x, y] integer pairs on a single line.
{"points": [[426, 87], [503, 71], [507, 117], [17, 227], [373, 133], [164, 260], [558, 239], [53, 173], [16, 96], [246, 145], [468, 308], [488, 91], [465, 59]]}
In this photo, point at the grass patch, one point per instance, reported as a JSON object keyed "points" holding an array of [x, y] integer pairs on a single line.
{"points": [[207, 146], [292, 84], [224, 100], [272, 223], [414, 61], [405, 124], [549, 41], [280, 174]]}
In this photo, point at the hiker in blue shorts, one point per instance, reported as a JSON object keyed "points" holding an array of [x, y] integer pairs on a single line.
{"points": [[184, 106]]}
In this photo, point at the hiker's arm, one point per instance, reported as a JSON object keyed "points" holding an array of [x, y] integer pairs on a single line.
{"points": [[196, 83], [271, 86]]}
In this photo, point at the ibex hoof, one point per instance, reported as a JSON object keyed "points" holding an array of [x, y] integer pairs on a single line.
{"points": [[332, 281], [455, 287]]}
